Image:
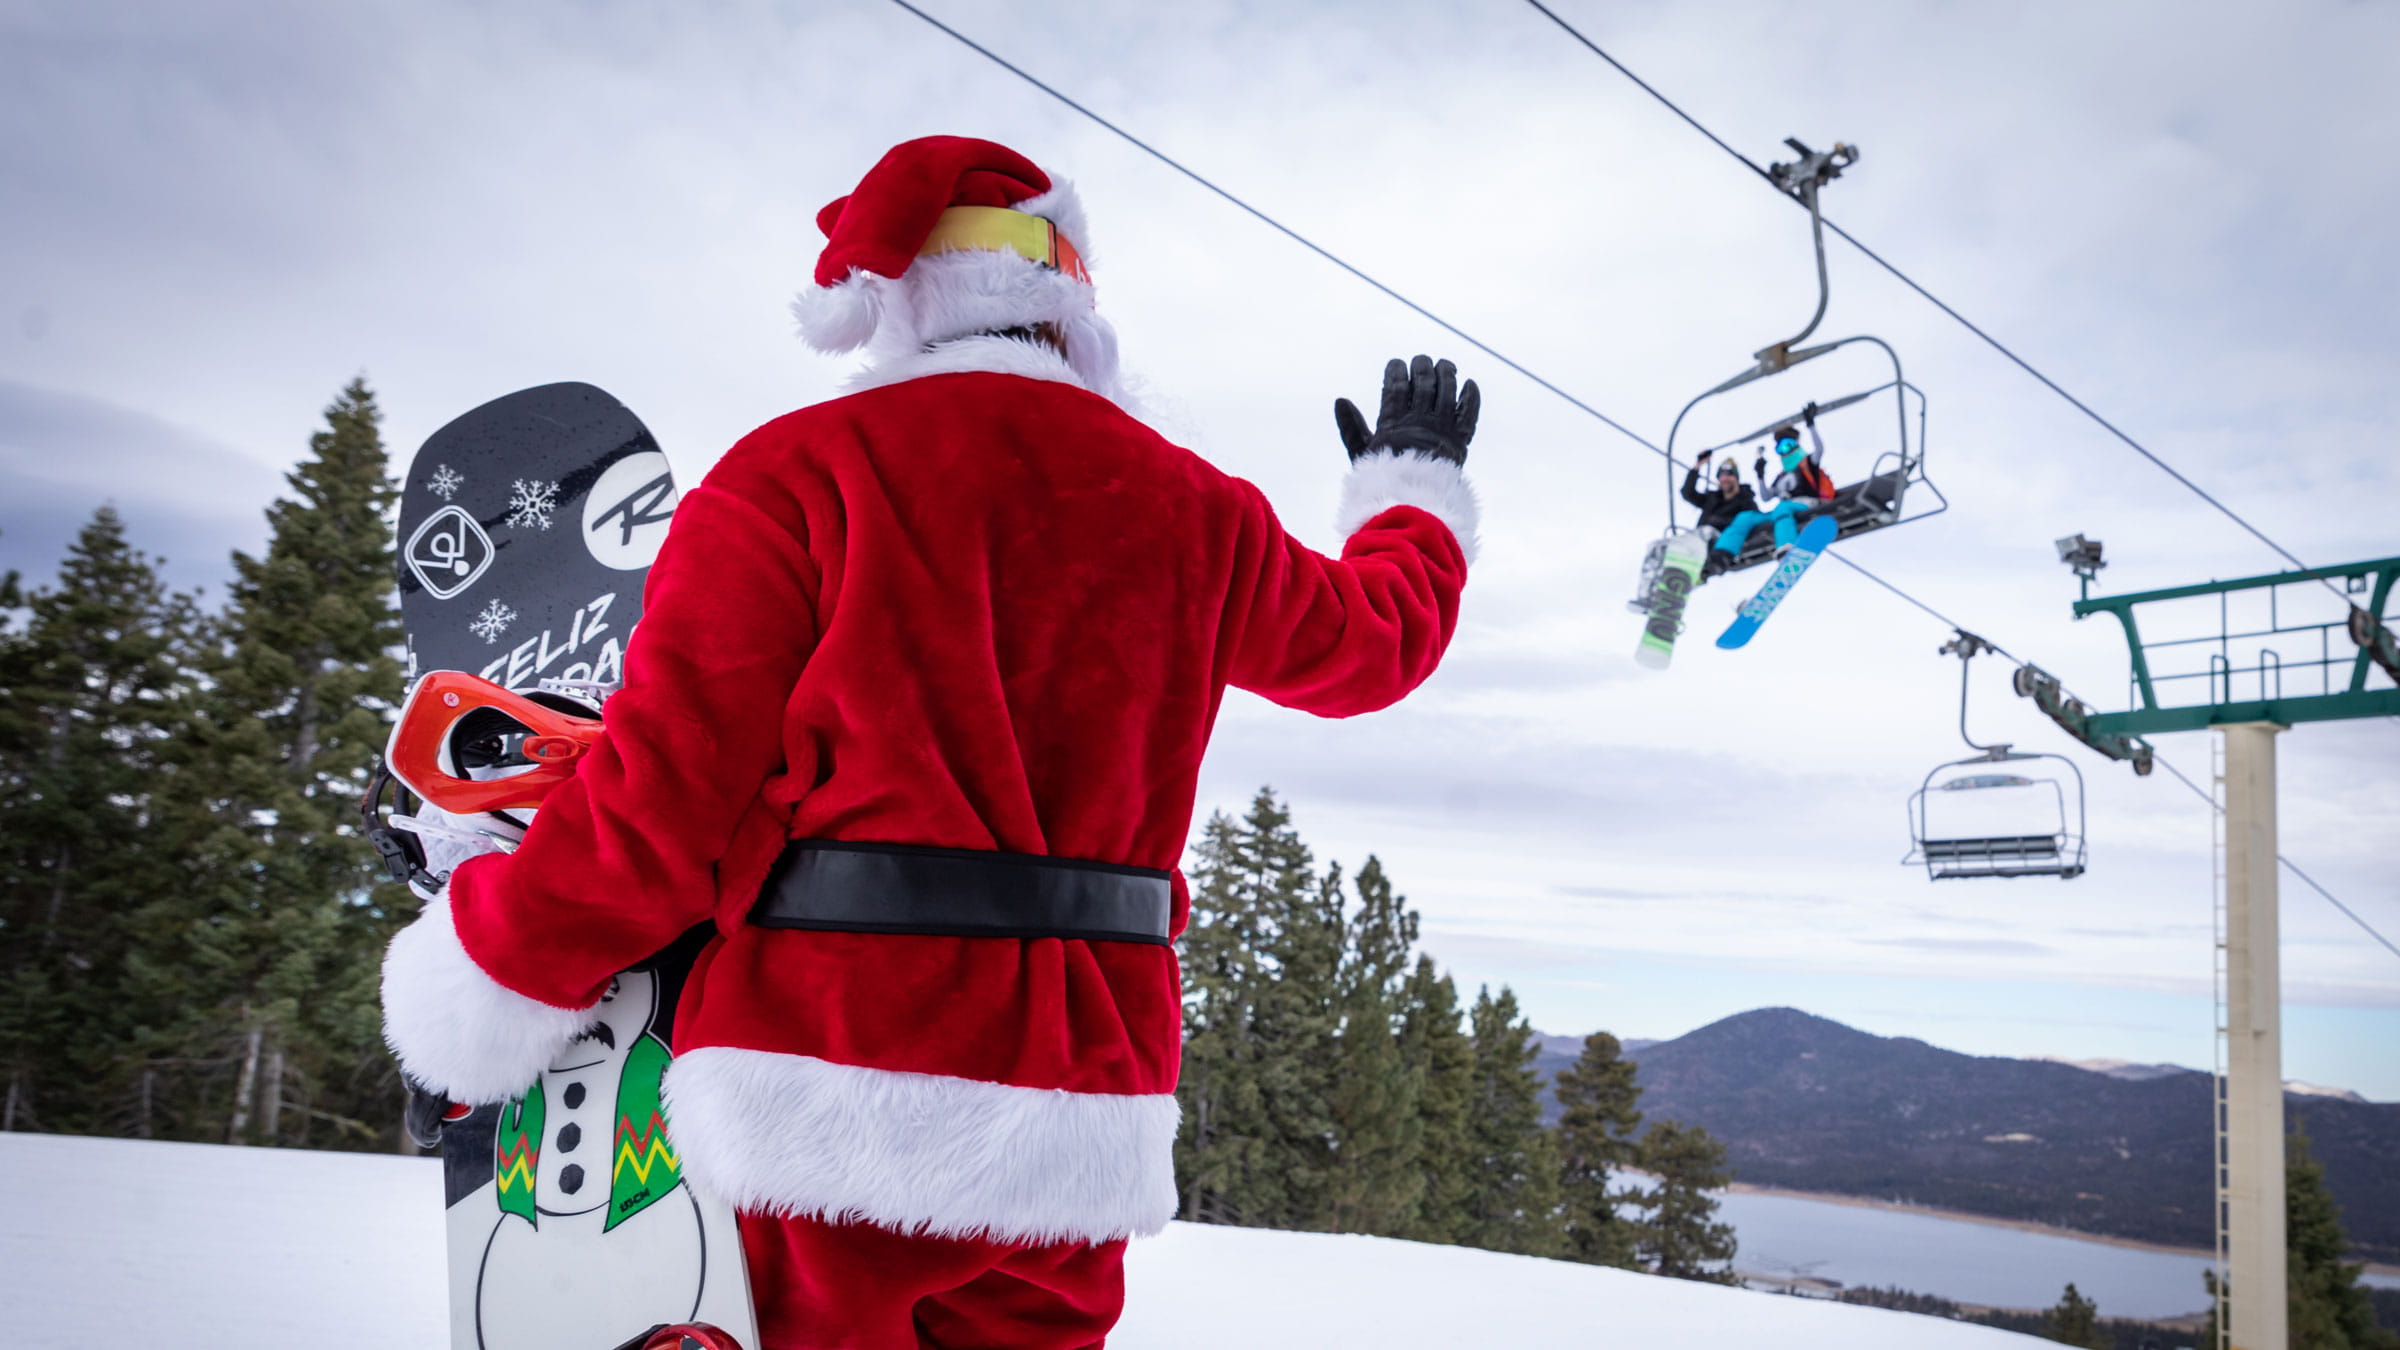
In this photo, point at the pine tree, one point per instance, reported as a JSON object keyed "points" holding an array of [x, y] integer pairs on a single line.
{"points": [[1249, 877], [88, 700], [1376, 1180], [1297, 1029], [2076, 1321], [273, 951], [1513, 1204], [1679, 1234], [1599, 1119], [2330, 1310], [1220, 976], [1440, 1058]]}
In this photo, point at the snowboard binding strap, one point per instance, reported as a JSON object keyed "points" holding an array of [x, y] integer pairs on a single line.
{"points": [[684, 1336], [468, 745]]}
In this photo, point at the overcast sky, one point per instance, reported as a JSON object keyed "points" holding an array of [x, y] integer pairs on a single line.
{"points": [[212, 216]]}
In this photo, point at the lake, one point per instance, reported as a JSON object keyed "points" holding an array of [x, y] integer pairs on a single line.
{"points": [[1786, 1237]]}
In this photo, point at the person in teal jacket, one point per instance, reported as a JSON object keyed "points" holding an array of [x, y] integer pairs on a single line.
{"points": [[1800, 490]]}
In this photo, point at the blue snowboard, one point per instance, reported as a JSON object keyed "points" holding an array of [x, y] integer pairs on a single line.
{"points": [[1814, 539]]}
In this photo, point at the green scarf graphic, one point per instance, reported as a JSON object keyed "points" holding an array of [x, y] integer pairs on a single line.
{"points": [[517, 1152], [642, 1164], [643, 1167]]}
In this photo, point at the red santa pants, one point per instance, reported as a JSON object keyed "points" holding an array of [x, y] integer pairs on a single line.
{"points": [[825, 1286]]}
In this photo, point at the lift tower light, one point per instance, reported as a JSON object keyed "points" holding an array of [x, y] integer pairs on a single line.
{"points": [[2083, 555]]}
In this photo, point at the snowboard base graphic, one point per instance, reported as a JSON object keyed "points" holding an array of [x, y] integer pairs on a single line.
{"points": [[1814, 539], [1678, 574], [569, 1225]]}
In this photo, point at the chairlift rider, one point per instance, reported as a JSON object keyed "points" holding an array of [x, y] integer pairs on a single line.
{"points": [[1719, 507], [1802, 488]]}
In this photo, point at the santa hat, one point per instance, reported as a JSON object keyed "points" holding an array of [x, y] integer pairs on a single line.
{"points": [[949, 236]]}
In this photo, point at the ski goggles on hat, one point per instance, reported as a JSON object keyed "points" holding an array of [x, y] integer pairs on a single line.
{"points": [[1000, 229]]}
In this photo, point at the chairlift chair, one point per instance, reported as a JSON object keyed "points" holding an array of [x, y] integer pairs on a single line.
{"points": [[2053, 850], [1881, 498], [1952, 854]]}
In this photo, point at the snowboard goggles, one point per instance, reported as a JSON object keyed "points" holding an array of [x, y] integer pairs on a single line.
{"points": [[1002, 230]]}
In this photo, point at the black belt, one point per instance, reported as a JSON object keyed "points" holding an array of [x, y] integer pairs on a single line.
{"points": [[957, 892]]}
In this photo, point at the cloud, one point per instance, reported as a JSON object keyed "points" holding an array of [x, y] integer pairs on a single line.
{"points": [[228, 215], [184, 497], [1967, 946]]}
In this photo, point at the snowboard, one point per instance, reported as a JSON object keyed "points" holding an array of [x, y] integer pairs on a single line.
{"points": [[1815, 538], [1678, 574], [527, 527]]}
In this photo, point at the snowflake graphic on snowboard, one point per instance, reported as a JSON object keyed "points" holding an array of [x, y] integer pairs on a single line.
{"points": [[531, 503], [494, 621]]}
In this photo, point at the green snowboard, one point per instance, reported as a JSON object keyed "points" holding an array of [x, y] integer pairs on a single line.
{"points": [[1678, 575]]}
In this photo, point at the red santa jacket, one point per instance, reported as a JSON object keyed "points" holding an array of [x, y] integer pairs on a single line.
{"points": [[980, 608]]}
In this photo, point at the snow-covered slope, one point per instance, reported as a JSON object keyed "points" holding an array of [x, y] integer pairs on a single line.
{"points": [[110, 1242]]}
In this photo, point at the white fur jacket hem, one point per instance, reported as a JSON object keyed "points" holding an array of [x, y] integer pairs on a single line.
{"points": [[921, 1153]]}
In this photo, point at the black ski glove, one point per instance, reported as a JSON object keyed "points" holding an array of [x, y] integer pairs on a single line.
{"points": [[1809, 413], [1424, 411], [1759, 467], [426, 1114]]}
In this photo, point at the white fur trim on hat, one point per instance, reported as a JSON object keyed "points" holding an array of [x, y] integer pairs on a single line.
{"points": [[1064, 209], [840, 317], [1378, 482], [950, 296], [457, 1030], [921, 1153]]}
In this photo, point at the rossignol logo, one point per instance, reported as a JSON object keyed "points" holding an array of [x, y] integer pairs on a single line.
{"points": [[625, 518]]}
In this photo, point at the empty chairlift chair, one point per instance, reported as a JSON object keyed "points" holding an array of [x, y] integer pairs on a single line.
{"points": [[1992, 821], [1996, 824]]}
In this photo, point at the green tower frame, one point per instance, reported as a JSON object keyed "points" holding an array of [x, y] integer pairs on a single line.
{"points": [[2249, 1080], [2367, 629]]}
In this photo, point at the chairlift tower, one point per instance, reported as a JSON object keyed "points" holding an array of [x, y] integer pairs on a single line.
{"points": [[2252, 694]]}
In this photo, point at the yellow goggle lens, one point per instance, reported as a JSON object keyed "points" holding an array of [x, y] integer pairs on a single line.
{"points": [[998, 228]]}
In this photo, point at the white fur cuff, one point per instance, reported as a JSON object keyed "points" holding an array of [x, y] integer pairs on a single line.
{"points": [[1379, 482], [457, 1030], [921, 1153]]}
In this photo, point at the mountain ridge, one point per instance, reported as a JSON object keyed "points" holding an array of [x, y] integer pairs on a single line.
{"points": [[1807, 1103]]}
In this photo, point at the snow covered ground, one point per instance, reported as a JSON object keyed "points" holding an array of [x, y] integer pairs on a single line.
{"points": [[121, 1243]]}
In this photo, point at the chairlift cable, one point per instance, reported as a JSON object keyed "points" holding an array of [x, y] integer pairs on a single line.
{"points": [[1610, 422], [1271, 222], [1879, 260], [2213, 805]]}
